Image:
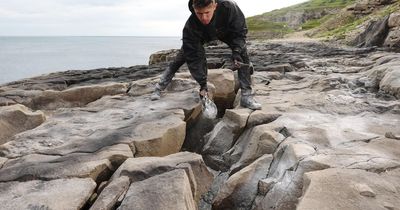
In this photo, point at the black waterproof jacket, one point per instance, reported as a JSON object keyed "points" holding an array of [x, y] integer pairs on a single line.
{"points": [[227, 25]]}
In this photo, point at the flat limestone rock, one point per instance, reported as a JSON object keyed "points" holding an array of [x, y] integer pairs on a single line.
{"points": [[17, 118], [55, 194], [93, 165], [170, 190], [138, 169], [349, 189], [156, 129], [74, 97]]}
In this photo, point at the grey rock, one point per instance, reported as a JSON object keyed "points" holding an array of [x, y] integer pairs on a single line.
{"points": [[17, 118], [391, 83], [374, 35], [109, 196], [2, 161], [163, 56], [394, 20], [251, 145], [265, 185], [332, 111], [365, 190], [170, 190], [223, 136], [329, 186], [97, 166], [241, 188], [393, 38], [138, 169], [55, 194]]}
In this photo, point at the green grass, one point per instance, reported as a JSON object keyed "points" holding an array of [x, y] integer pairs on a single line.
{"points": [[336, 26], [350, 23], [318, 4], [389, 9], [310, 6], [314, 23], [256, 25], [260, 23]]}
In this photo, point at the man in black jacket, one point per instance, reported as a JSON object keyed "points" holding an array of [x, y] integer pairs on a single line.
{"points": [[211, 20]]}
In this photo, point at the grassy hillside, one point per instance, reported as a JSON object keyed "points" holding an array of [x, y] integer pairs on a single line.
{"points": [[344, 24], [266, 23]]}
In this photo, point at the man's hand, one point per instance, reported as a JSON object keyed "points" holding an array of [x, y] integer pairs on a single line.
{"points": [[237, 58], [203, 93]]}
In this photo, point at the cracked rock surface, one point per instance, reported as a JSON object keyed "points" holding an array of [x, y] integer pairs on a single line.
{"points": [[327, 136]]}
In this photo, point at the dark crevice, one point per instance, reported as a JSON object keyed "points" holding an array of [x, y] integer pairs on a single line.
{"points": [[368, 140], [277, 154]]}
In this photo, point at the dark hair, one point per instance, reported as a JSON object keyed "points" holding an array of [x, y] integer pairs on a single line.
{"points": [[202, 3]]}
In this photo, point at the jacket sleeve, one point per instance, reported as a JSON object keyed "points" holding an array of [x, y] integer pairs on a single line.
{"points": [[237, 27], [194, 53]]}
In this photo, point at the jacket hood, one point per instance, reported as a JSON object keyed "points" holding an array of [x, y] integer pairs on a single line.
{"points": [[190, 6]]}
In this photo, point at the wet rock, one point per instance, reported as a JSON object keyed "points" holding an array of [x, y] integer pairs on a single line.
{"points": [[55, 194], [170, 190], [17, 118]]}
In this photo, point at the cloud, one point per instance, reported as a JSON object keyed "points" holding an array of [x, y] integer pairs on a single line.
{"points": [[105, 17]]}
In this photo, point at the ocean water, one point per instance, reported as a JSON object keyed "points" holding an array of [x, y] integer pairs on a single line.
{"points": [[24, 57]]}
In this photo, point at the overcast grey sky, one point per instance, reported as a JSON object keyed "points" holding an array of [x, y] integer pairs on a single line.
{"points": [[107, 17]]}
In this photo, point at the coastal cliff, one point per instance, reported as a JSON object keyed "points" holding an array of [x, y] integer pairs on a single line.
{"points": [[362, 23], [327, 136]]}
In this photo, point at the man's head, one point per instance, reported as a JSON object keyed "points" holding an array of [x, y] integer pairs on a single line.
{"points": [[204, 10]]}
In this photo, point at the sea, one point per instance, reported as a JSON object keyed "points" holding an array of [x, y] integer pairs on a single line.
{"points": [[24, 57]]}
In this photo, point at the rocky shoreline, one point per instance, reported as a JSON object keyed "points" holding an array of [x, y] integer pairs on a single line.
{"points": [[326, 138]]}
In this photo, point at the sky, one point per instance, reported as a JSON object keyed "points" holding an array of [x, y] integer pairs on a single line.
{"points": [[108, 17]]}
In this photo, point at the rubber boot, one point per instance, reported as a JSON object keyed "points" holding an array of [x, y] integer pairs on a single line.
{"points": [[156, 95], [247, 100]]}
